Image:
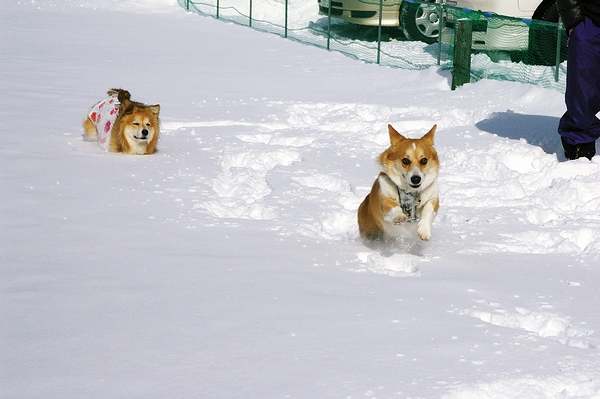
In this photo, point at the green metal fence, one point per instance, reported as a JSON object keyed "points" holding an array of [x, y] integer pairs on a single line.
{"points": [[502, 48]]}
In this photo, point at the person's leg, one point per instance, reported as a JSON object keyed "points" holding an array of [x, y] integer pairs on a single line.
{"points": [[579, 127], [575, 151]]}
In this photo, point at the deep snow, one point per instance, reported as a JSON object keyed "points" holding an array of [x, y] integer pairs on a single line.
{"points": [[228, 265]]}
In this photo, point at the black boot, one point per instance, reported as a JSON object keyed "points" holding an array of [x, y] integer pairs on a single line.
{"points": [[573, 151]]}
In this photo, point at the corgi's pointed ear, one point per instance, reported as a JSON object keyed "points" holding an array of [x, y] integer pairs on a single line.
{"points": [[395, 137], [430, 134]]}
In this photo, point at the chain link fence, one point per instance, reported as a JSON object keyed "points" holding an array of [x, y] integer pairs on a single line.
{"points": [[410, 34]]}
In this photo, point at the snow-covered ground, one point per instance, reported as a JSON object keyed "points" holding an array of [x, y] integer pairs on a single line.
{"points": [[228, 264]]}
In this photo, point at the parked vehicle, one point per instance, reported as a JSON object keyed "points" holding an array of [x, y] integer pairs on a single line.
{"points": [[420, 21]]}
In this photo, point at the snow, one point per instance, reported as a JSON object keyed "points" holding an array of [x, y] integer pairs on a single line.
{"points": [[228, 264]]}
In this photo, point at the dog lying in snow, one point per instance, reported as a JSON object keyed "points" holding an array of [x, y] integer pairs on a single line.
{"points": [[122, 125]]}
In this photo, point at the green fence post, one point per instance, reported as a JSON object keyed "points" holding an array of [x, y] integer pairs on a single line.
{"points": [[187, 5], [328, 23], [441, 11], [379, 32], [217, 9], [286, 19], [558, 44], [250, 16], [461, 68]]}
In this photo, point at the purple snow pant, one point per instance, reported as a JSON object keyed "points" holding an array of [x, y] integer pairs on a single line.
{"points": [[580, 124]]}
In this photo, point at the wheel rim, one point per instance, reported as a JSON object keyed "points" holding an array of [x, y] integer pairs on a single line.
{"points": [[427, 21]]}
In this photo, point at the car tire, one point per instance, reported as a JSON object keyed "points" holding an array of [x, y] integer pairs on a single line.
{"points": [[420, 22], [542, 39]]}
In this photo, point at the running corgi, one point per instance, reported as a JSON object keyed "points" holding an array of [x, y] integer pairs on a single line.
{"points": [[406, 190]]}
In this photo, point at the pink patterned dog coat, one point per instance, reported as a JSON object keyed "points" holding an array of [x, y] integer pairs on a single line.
{"points": [[103, 115]]}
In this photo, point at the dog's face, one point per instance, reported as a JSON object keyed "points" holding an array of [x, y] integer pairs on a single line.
{"points": [[139, 128], [141, 125], [411, 163]]}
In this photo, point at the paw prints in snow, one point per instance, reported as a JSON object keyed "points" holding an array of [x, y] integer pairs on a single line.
{"points": [[545, 325], [340, 202], [397, 265], [243, 185], [583, 240]]}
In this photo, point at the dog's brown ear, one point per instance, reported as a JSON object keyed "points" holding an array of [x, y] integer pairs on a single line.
{"points": [[123, 95], [126, 107], [155, 109], [395, 137], [430, 134]]}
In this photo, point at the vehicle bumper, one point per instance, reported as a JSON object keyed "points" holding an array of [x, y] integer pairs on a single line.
{"points": [[362, 13]]}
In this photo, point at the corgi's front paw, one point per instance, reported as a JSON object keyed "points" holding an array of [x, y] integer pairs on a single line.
{"points": [[399, 220], [396, 216], [424, 231]]}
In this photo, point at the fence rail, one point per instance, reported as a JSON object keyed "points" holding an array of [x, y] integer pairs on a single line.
{"points": [[502, 48]]}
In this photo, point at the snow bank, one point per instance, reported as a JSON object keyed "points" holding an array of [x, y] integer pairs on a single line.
{"points": [[533, 203]]}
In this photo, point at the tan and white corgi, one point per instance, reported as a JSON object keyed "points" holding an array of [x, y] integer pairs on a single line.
{"points": [[406, 190]]}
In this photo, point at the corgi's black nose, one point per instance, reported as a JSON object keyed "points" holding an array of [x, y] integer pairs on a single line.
{"points": [[415, 180], [145, 133]]}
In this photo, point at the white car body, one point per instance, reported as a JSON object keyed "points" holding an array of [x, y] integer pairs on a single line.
{"points": [[497, 35], [363, 13], [512, 8]]}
